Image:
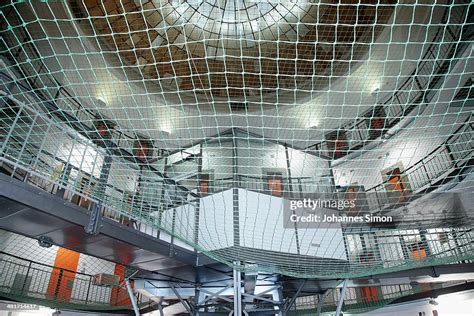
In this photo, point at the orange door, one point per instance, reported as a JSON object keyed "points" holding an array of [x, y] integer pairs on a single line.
{"points": [[370, 293], [418, 254], [204, 185], [119, 296], [275, 185], [63, 275], [398, 184]]}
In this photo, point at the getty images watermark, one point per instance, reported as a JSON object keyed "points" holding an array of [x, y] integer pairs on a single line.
{"points": [[317, 212]]}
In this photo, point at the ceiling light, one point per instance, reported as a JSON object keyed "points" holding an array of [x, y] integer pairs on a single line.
{"points": [[313, 124], [102, 100], [375, 91], [166, 130]]}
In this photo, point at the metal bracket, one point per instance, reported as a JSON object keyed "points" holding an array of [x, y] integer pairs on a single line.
{"points": [[95, 218], [185, 303]]}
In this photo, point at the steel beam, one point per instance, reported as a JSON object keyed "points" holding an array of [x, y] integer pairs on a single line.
{"points": [[341, 299], [293, 299], [237, 292], [321, 298], [215, 295], [133, 299]]}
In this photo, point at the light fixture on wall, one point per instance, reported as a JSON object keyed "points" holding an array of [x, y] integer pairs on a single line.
{"points": [[45, 242], [375, 91], [101, 101], [385, 137], [313, 124]]}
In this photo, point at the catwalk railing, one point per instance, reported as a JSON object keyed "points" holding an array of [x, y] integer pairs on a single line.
{"points": [[364, 299], [27, 280], [34, 163], [432, 171], [418, 88]]}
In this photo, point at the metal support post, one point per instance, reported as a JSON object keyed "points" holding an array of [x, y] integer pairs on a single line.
{"points": [[160, 309], [93, 226], [94, 220], [341, 299], [293, 299], [237, 293], [181, 299], [321, 298], [133, 299]]}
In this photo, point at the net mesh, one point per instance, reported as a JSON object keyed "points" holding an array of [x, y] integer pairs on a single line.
{"points": [[194, 122]]}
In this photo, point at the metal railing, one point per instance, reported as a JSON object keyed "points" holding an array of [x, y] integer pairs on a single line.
{"points": [[53, 91], [27, 279], [415, 90], [449, 157]]}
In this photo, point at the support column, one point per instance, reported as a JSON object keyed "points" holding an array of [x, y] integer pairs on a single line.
{"points": [[293, 299], [341, 299], [93, 226], [292, 195], [237, 292], [133, 299], [320, 303], [197, 207], [235, 192]]}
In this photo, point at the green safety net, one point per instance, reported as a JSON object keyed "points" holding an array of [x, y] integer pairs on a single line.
{"points": [[196, 121]]}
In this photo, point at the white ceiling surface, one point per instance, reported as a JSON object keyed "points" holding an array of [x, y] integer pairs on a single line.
{"points": [[82, 69]]}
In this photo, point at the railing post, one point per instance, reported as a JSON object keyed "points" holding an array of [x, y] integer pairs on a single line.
{"points": [[341, 299], [26, 277], [133, 299], [58, 284], [10, 132], [88, 290], [426, 172], [237, 292]]}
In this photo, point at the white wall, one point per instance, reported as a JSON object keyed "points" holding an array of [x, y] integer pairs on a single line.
{"points": [[92, 266], [219, 158], [427, 130], [254, 156], [27, 248], [261, 220]]}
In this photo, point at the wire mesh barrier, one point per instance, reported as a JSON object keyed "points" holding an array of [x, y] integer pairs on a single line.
{"points": [[182, 130], [362, 299], [55, 286]]}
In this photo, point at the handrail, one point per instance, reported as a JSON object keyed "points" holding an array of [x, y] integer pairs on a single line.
{"points": [[296, 180], [42, 264], [129, 157], [94, 296], [431, 154], [60, 88]]}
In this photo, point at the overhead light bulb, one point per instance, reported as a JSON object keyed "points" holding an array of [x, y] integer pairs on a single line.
{"points": [[375, 91], [102, 100]]}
